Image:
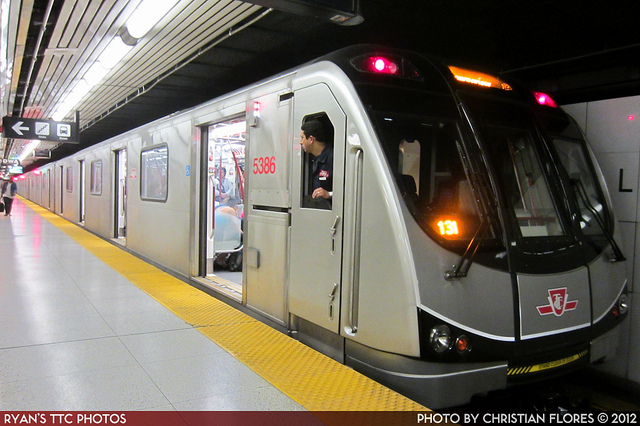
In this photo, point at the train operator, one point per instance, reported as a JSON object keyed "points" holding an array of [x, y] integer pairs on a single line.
{"points": [[313, 139]]}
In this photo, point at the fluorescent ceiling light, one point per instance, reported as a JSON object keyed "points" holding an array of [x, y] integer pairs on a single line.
{"points": [[81, 89], [113, 53], [28, 150], [110, 56], [96, 73], [147, 15]]}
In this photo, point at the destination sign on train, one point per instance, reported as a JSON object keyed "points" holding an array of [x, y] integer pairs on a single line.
{"points": [[46, 130]]}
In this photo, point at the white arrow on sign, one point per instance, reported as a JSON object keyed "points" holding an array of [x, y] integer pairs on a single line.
{"points": [[16, 128]]}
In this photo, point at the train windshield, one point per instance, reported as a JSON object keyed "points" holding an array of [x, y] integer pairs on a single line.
{"points": [[426, 155], [573, 157], [526, 188], [523, 166]]}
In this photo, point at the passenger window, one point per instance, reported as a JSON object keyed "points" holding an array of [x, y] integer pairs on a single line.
{"points": [[96, 178], [316, 139], [69, 186], [154, 173]]}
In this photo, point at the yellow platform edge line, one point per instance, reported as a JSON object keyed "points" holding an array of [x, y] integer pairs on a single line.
{"points": [[313, 380]]}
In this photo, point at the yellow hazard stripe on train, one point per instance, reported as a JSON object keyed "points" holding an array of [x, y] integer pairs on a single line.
{"points": [[313, 380], [516, 371]]}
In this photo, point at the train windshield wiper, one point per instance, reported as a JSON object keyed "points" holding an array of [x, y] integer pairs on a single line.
{"points": [[479, 182], [584, 197], [462, 268]]}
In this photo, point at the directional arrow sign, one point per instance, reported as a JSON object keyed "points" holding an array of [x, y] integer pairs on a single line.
{"points": [[35, 128], [18, 128]]}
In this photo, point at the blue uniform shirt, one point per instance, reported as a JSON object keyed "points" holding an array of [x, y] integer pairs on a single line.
{"points": [[322, 169]]}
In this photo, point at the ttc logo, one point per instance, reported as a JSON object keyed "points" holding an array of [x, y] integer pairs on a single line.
{"points": [[558, 303]]}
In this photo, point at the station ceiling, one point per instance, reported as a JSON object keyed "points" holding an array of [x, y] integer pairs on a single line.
{"points": [[574, 50]]}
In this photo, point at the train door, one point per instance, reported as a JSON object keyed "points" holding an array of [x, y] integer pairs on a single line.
{"points": [[316, 225], [120, 205], [225, 159], [81, 192]]}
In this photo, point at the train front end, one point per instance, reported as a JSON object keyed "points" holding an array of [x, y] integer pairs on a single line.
{"points": [[510, 227]]}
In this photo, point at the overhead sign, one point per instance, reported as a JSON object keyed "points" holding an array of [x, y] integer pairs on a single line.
{"points": [[46, 130], [343, 12], [42, 153]]}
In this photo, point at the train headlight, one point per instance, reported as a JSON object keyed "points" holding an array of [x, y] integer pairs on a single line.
{"points": [[440, 339], [623, 304]]}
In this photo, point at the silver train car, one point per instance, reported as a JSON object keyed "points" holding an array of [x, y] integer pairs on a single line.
{"points": [[469, 244]]}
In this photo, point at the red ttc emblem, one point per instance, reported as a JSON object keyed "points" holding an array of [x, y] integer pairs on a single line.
{"points": [[558, 303]]}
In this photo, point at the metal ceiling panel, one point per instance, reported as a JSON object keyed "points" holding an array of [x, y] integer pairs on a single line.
{"points": [[174, 42], [18, 52], [84, 28]]}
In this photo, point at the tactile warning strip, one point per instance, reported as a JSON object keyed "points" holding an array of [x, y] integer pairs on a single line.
{"points": [[313, 380]]}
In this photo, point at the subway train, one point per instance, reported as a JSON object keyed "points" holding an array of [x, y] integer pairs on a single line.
{"points": [[469, 243]]}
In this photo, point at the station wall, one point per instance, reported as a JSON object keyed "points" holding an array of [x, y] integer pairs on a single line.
{"points": [[612, 127]]}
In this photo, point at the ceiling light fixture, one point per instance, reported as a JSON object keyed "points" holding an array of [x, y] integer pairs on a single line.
{"points": [[28, 150], [147, 15]]}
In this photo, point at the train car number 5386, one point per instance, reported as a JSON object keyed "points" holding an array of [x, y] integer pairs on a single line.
{"points": [[264, 165]]}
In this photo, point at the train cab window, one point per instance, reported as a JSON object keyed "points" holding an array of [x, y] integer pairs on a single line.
{"points": [[425, 156], [317, 158], [154, 173], [523, 171], [526, 187]]}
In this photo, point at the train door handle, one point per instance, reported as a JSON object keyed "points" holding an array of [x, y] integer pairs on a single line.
{"points": [[332, 231], [334, 227], [332, 295]]}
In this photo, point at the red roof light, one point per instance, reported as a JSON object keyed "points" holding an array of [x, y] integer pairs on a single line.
{"points": [[393, 65], [383, 65], [544, 99]]}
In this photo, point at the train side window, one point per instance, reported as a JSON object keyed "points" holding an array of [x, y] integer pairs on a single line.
{"points": [[69, 186], [317, 170], [96, 177], [154, 173]]}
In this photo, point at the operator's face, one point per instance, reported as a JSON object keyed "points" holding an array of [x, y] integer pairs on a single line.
{"points": [[305, 142]]}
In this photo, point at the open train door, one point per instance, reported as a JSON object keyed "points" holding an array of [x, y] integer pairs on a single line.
{"points": [[316, 226]]}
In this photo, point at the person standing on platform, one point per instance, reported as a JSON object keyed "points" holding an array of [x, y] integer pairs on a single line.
{"points": [[9, 191]]}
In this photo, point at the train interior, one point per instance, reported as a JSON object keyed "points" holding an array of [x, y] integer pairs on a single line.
{"points": [[225, 202]]}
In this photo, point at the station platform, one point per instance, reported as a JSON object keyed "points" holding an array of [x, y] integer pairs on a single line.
{"points": [[86, 326]]}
